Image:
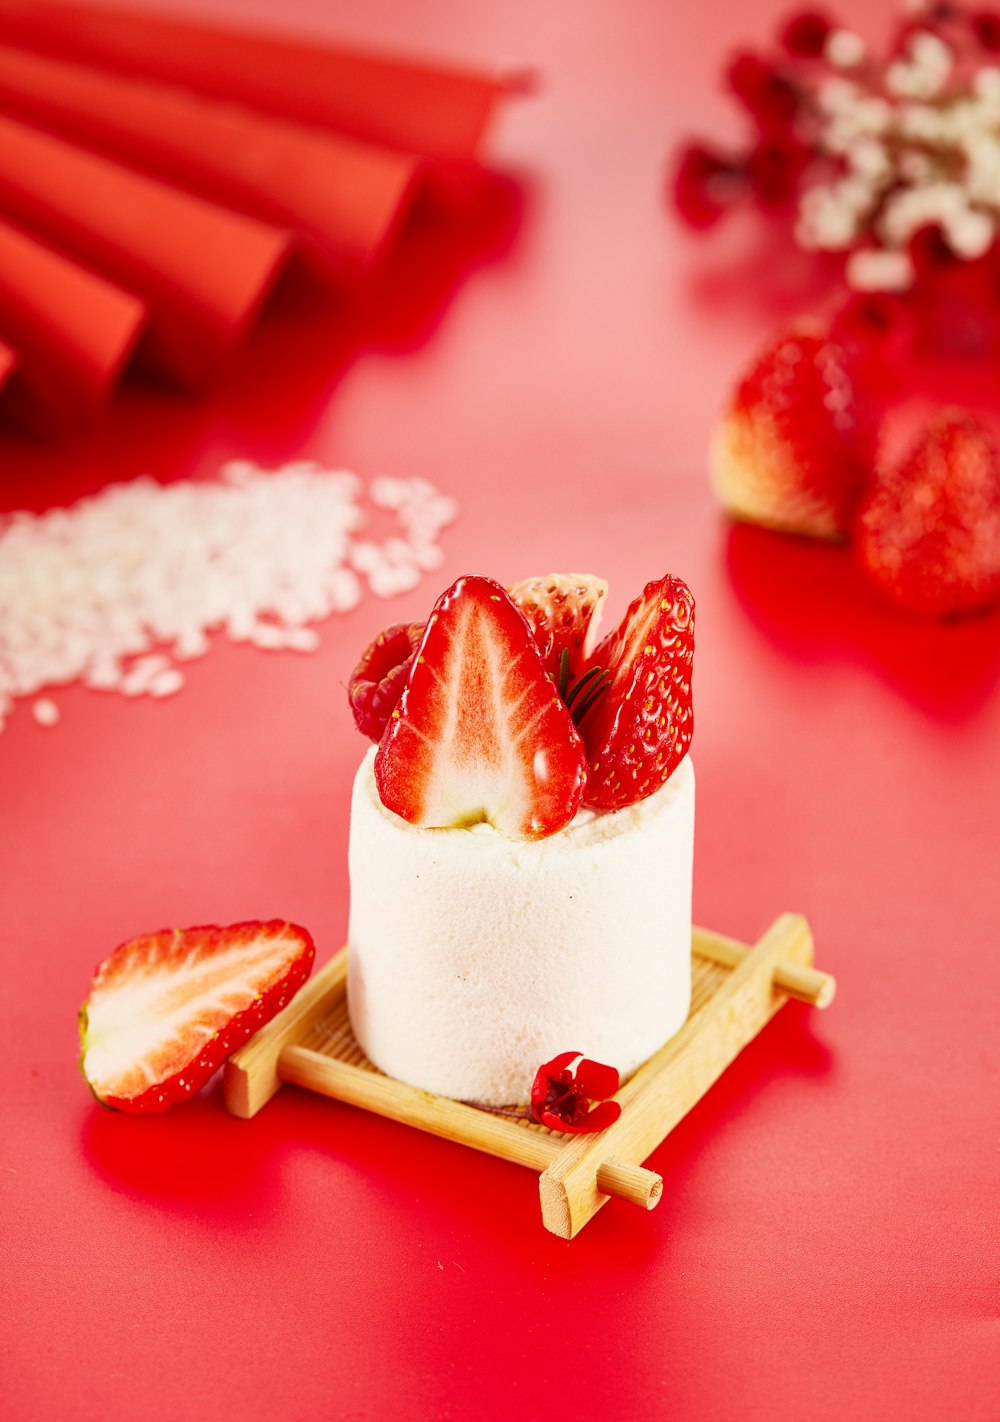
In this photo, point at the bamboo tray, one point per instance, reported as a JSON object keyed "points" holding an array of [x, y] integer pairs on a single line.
{"points": [[736, 990]]}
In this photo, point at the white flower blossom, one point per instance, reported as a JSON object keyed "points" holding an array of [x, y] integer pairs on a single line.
{"points": [[929, 53], [836, 95], [915, 145], [826, 220], [982, 168], [873, 115], [921, 123], [913, 166], [844, 49], [874, 270], [925, 73], [986, 82], [970, 233], [869, 159], [908, 210]]}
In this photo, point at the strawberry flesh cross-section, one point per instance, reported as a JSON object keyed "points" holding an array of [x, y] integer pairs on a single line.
{"points": [[480, 732], [639, 731], [166, 1009]]}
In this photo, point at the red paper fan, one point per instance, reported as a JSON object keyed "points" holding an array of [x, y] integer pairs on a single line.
{"points": [[342, 198]]}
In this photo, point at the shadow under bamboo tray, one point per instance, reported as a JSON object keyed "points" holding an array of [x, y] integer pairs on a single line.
{"points": [[736, 990]]}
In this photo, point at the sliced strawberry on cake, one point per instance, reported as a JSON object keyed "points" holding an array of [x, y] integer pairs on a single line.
{"points": [[480, 733], [166, 1009], [797, 445], [637, 725], [564, 612], [928, 534]]}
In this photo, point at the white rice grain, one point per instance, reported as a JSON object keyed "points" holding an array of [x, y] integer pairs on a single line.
{"points": [[117, 589]]}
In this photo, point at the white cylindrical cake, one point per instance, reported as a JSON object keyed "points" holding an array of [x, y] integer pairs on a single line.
{"points": [[474, 958]]}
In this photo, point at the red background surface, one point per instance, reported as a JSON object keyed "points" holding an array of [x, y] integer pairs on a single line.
{"points": [[826, 1245]]}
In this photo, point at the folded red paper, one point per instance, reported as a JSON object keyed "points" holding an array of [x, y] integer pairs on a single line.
{"points": [[168, 169], [8, 360], [74, 332], [203, 271], [439, 111], [342, 198]]}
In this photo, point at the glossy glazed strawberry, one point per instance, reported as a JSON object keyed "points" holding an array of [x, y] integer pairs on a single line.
{"points": [[564, 612], [166, 1009], [377, 682], [639, 729], [480, 732], [928, 534], [797, 445]]}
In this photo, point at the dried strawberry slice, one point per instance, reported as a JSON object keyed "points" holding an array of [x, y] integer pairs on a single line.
{"points": [[378, 680]]}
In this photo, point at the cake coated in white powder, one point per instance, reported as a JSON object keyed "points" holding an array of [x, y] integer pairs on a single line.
{"points": [[475, 958]]}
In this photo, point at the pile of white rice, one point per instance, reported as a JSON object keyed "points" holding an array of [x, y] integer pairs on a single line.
{"points": [[118, 589]]}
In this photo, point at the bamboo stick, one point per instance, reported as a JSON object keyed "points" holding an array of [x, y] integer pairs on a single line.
{"points": [[251, 1075], [633, 1183], [453, 1120], [807, 985], [663, 1090], [579, 1174]]}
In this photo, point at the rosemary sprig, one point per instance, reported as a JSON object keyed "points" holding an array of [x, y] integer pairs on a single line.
{"points": [[588, 701], [585, 691], [564, 672], [584, 681]]}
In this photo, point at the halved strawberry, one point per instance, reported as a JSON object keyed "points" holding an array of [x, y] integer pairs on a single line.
{"points": [[378, 680], [639, 729], [480, 732], [928, 534], [564, 612], [165, 1010], [797, 445]]}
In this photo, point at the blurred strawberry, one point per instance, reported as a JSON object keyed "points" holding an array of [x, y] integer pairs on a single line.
{"points": [[928, 533], [797, 444], [877, 332]]}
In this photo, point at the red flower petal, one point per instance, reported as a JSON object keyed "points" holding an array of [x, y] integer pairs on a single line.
{"points": [[600, 1118], [705, 182], [560, 1099], [986, 28], [596, 1080], [805, 34], [769, 96], [559, 1063]]}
